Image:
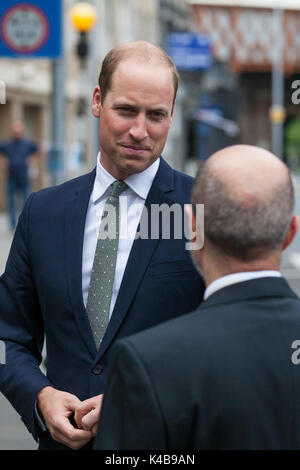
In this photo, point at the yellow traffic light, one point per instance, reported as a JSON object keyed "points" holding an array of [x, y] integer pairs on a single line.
{"points": [[277, 114], [83, 16]]}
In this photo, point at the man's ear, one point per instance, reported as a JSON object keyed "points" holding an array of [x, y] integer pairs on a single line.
{"points": [[191, 221], [172, 115], [293, 229], [96, 102], [195, 233]]}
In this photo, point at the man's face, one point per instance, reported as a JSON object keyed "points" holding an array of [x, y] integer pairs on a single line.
{"points": [[17, 130], [135, 117]]}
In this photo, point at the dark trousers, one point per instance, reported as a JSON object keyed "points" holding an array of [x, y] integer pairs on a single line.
{"points": [[14, 189]]}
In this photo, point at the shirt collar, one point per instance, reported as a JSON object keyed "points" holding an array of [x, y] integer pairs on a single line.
{"points": [[140, 183], [230, 279]]}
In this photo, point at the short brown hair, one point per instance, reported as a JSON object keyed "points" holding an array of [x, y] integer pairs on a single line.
{"points": [[140, 50]]}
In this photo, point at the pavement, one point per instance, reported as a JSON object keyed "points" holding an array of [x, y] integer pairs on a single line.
{"points": [[13, 434]]}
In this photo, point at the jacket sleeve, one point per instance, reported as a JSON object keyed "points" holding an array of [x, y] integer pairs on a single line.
{"points": [[131, 418], [21, 328]]}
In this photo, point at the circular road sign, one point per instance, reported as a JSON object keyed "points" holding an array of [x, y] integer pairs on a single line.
{"points": [[24, 28]]}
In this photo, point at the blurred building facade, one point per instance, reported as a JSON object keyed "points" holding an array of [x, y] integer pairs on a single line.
{"points": [[236, 89], [244, 40], [29, 82]]}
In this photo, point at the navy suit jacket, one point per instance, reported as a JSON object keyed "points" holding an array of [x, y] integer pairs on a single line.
{"points": [[221, 377], [41, 293]]}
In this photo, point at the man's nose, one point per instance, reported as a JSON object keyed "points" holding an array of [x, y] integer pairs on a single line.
{"points": [[138, 130]]}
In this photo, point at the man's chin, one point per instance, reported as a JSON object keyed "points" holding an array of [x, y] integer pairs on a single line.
{"points": [[136, 165]]}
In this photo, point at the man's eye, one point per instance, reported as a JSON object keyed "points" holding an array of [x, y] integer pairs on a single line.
{"points": [[125, 109], [158, 115]]}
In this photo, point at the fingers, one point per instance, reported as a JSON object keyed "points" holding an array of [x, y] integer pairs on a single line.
{"points": [[56, 407], [63, 431], [83, 409], [86, 407], [94, 429], [90, 421]]}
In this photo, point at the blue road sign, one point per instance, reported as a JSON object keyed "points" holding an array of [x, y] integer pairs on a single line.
{"points": [[190, 51], [30, 29]]}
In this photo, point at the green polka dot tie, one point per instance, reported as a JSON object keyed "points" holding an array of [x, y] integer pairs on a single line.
{"points": [[104, 265]]}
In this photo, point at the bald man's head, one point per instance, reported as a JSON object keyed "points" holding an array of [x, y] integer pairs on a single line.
{"points": [[250, 175], [139, 51], [248, 198]]}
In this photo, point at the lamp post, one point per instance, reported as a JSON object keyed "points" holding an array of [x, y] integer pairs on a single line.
{"points": [[277, 111], [83, 16]]}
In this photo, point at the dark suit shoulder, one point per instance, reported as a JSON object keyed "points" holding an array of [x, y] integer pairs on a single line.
{"points": [[67, 188], [182, 186], [53, 199], [187, 179], [211, 325], [182, 180], [161, 339]]}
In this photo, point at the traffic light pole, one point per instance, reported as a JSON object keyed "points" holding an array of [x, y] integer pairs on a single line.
{"points": [[57, 158], [58, 134], [278, 109]]}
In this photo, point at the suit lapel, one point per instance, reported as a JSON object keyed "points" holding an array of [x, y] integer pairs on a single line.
{"points": [[139, 258], [75, 215]]}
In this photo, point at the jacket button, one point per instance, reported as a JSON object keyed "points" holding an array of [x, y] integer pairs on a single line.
{"points": [[97, 369]]}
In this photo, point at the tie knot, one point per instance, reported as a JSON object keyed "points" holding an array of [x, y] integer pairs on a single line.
{"points": [[117, 188]]}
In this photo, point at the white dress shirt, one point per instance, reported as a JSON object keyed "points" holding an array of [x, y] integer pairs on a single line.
{"points": [[230, 279], [132, 202]]}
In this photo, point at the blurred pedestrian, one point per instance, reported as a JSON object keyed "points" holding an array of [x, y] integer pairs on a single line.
{"points": [[18, 151], [224, 376]]}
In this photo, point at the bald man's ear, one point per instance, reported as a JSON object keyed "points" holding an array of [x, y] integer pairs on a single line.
{"points": [[96, 102], [195, 233], [293, 229]]}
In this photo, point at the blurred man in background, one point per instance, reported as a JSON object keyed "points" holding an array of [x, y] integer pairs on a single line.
{"points": [[222, 377], [18, 151]]}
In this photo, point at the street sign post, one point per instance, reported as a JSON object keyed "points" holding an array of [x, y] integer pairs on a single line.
{"points": [[190, 51], [33, 30], [30, 29]]}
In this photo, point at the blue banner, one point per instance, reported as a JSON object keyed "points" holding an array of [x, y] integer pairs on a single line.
{"points": [[190, 51], [31, 29]]}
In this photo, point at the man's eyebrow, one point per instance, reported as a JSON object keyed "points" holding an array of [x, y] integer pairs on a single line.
{"points": [[127, 104], [118, 104], [159, 110]]}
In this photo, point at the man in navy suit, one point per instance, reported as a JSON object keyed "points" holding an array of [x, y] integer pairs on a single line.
{"points": [[45, 288], [225, 376]]}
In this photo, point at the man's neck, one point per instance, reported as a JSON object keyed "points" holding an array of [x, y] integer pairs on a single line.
{"points": [[214, 269]]}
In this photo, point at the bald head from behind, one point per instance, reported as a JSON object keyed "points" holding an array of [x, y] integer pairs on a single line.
{"points": [[248, 202]]}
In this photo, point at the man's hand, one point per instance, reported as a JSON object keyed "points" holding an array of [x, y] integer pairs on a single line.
{"points": [[87, 414], [56, 408]]}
